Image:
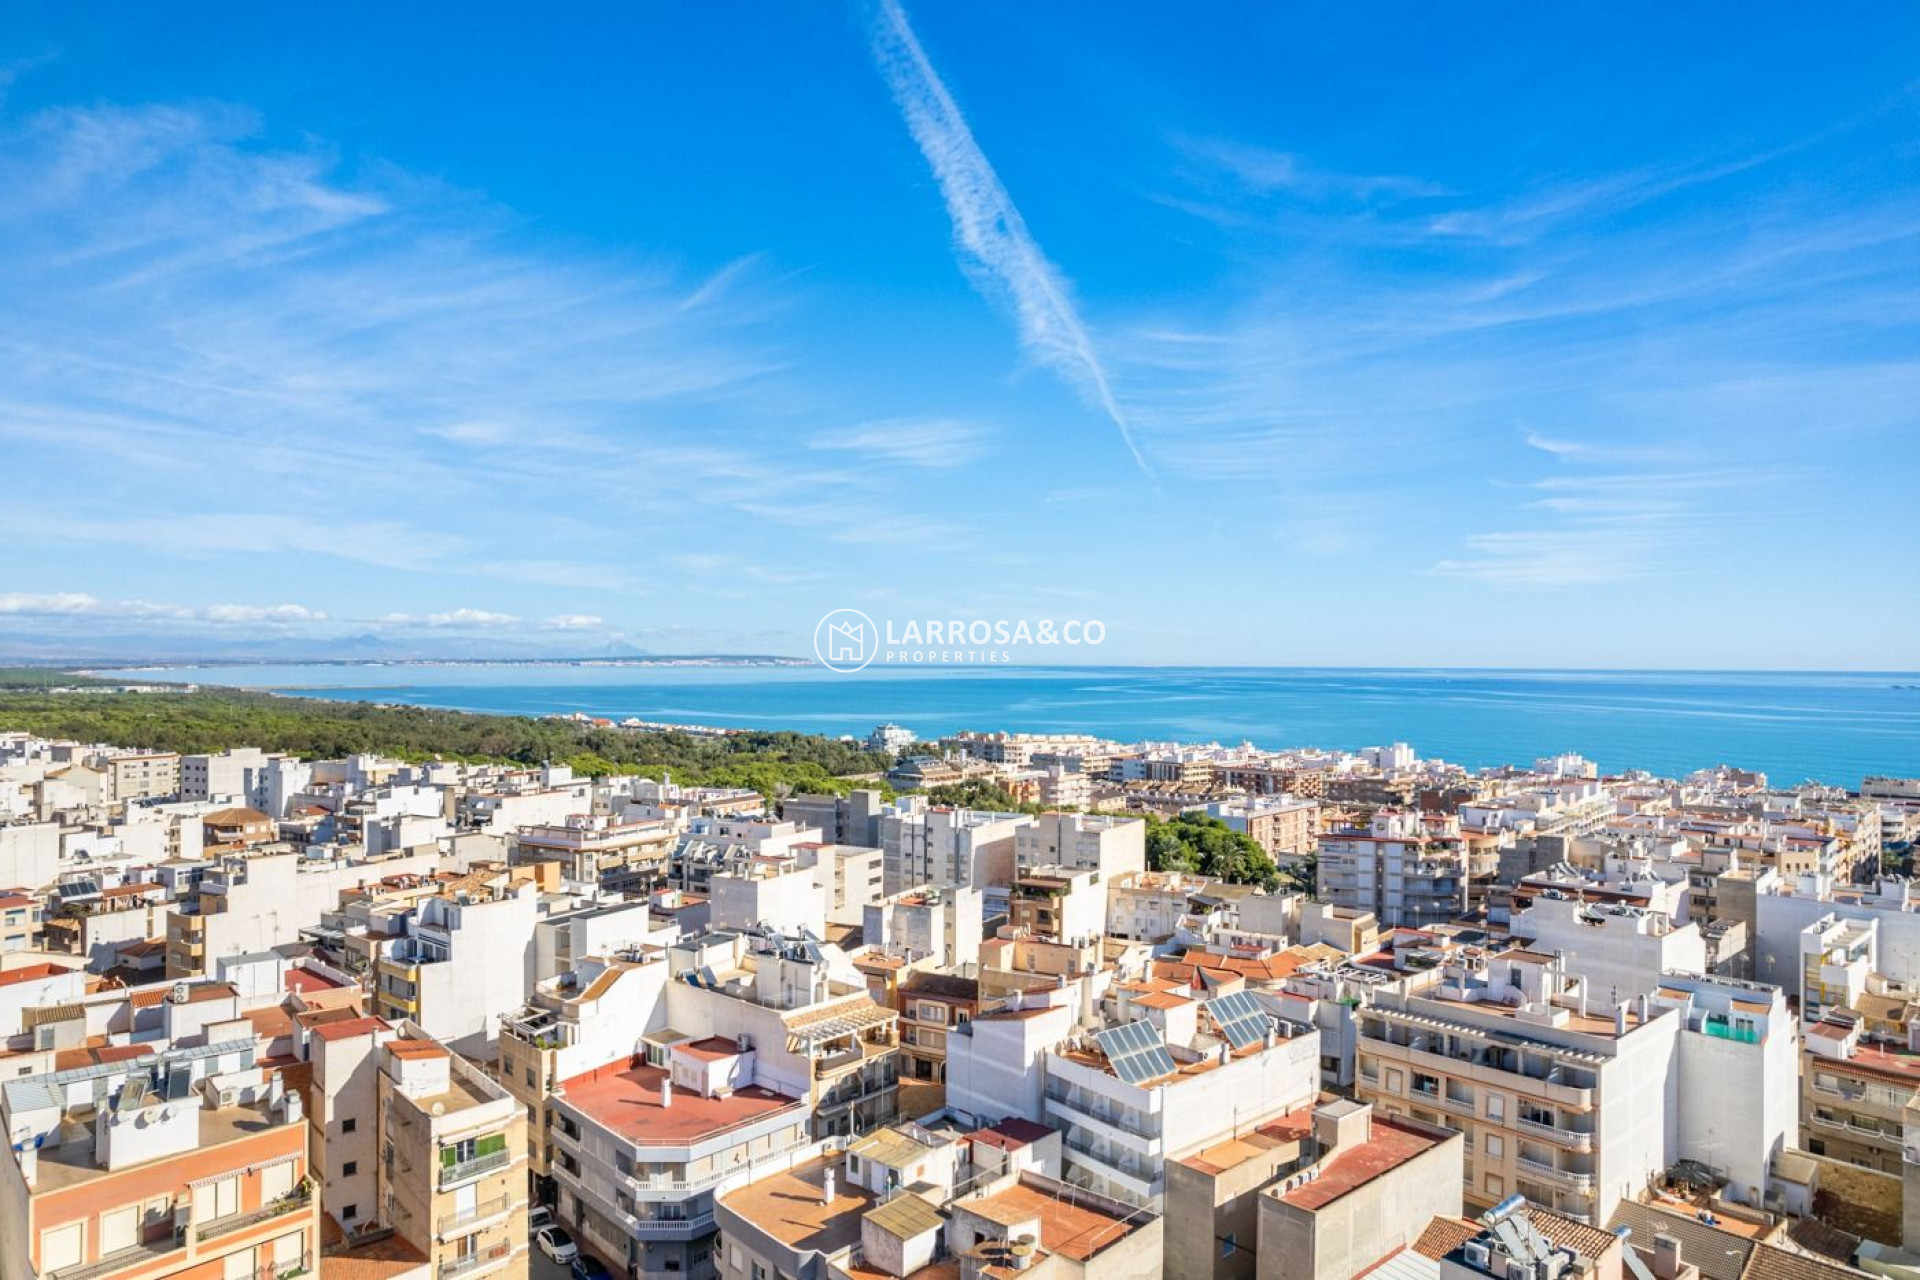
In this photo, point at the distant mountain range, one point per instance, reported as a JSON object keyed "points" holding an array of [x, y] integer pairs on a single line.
{"points": [[127, 651]]}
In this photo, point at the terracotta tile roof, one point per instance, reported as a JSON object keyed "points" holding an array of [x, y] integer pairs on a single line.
{"points": [[1443, 1235]]}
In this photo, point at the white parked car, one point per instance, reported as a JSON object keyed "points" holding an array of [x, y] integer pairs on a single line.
{"points": [[538, 1217], [557, 1244]]}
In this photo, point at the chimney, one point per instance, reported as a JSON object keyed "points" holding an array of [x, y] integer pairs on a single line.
{"points": [[666, 1092], [1666, 1256], [1620, 1019], [826, 1189]]}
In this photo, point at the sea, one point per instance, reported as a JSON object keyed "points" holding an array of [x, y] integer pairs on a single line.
{"points": [[1833, 727]]}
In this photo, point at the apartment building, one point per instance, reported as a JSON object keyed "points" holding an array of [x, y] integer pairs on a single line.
{"points": [[1854, 1094], [411, 1139], [598, 850], [1407, 869], [1560, 1097], [1287, 827], [1058, 904], [255, 902], [943, 846], [453, 1161], [1837, 958], [852, 819], [804, 1010], [1128, 1098], [1106, 844], [938, 927], [642, 1147], [1320, 1192], [137, 775], [1620, 950], [464, 958], [1371, 1186], [932, 1005], [186, 1162]]}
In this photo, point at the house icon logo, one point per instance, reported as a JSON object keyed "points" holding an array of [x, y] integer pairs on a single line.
{"points": [[845, 640]]}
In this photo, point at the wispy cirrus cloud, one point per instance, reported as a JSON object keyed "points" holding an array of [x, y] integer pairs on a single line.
{"points": [[998, 251], [935, 442]]}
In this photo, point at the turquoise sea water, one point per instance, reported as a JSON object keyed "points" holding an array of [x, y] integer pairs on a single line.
{"points": [[1833, 726]]}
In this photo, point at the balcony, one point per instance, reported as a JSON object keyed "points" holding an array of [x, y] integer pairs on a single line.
{"points": [[486, 1259], [1567, 1178], [670, 1228], [461, 1170], [1572, 1139], [241, 1221], [1107, 1124], [139, 1255], [468, 1219]]}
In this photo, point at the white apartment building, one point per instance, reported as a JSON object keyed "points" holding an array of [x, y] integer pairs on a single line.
{"points": [[1121, 1118], [1104, 843], [1407, 870], [780, 894], [465, 959], [1620, 950], [942, 846], [1576, 1102], [940, 927]]}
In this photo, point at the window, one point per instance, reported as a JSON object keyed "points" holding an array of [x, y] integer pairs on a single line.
{"points": [[238, 1265], [1496, 1106], [1393, 1080], [349, 1124], [1227, 1245], [60, 1247], [1495, 1185], [350, 1168], [1495, 1147], [351, 1211]]}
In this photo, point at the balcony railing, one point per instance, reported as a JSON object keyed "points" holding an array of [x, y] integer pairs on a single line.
{"points": [[491, 1256], [137, 1256], [241, 1221], [1554, 1133], [1559, 1177], [461, 1170], [485, 1209]]}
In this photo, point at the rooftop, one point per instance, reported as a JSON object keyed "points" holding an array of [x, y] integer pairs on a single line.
{"points": [[71, 1162], [1391, 1145], [1071, 1225], [626, 1100], [791, 1207], [1235, 1151]]}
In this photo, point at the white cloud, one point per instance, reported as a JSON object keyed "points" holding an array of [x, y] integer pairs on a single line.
{"points": [[574, 622], [477, 619], [71, 604], [76, 604], [269, 613], [996, 247]]}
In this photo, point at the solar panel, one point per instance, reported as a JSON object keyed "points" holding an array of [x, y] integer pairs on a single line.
{"points": [[1241, 1020], [1135, 1051]]}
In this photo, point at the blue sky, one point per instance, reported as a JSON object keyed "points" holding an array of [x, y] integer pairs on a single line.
{"points": [[1530, 335]]}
